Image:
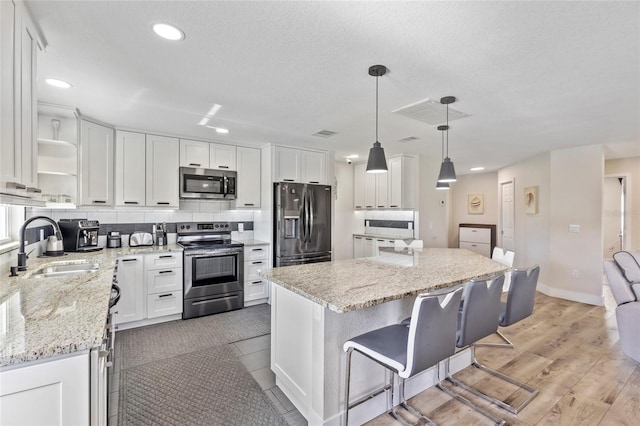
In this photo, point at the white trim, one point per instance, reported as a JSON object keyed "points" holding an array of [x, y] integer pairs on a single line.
{"points": [[574, 296]]}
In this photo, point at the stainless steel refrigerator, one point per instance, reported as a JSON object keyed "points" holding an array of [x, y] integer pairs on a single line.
{"points": [[302, 228]]}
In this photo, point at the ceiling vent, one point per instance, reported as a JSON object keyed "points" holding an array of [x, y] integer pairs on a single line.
{"points": [[324, 134], [408, 139], [430, 111]]}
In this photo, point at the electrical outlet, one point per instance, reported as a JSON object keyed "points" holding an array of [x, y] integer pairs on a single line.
{"points": [[575, 273]]}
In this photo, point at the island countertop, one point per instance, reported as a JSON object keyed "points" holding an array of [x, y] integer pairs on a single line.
{"points": [[44, 317], [348, 285]]}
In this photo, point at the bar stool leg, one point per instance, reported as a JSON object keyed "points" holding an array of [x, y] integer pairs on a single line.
{"points": [[346, 388]]}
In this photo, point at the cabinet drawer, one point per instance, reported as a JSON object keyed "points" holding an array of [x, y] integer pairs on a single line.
{"points": [[256, 253], [256, 289], [161, 304], [476, 235], [251, 269], [163, 280], [480, 248], [163, 260]]}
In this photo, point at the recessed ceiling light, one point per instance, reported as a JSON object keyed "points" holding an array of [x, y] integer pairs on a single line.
{"points": [[168, 32], [57, 83], [352, 156], [476, 169]]}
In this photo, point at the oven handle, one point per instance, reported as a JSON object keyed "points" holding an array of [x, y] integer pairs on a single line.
{"points": [[213, 252], [200, 302]]}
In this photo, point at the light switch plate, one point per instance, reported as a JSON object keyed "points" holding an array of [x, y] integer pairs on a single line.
{"points": [[574, 228]]}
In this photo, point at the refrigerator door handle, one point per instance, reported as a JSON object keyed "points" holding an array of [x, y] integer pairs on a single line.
{"points": [[302, 226], [308, 203], [311, 215]]}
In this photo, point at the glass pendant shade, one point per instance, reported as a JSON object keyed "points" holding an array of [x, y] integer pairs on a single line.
{"points": [[376, 163], [447, 172], [442, 186]]}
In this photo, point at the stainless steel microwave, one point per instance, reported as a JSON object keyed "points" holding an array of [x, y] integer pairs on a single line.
{"points": [[207, 183]]}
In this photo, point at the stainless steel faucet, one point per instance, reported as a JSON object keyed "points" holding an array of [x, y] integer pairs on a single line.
{"points": [[22, 256]]}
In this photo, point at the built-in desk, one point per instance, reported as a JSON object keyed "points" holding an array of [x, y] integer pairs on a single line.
{"points": [[317, 307]]}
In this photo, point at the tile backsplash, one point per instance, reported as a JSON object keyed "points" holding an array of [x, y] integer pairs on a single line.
{"points": [[390, 223]]}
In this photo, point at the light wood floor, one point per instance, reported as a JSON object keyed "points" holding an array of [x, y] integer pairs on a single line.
{"points": [[567, 350]]}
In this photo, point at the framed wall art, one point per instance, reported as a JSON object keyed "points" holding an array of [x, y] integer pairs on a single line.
{"points": [[531, 200], [475, 204]]}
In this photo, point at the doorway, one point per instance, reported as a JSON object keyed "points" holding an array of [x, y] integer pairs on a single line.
{"points": [[507, 215], [614, 208]]}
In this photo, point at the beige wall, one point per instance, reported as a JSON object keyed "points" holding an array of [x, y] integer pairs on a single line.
{"points": [[631, 168], [344, 213], [531, 231], [482, 183], [576, 198], [433, 206]]}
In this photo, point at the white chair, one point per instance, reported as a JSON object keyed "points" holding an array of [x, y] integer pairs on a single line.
{"points": [[399, 244], [416, 244], [506, 258]]}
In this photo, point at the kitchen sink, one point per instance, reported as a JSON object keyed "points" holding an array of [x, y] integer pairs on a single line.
{"points": [[60, 270]]}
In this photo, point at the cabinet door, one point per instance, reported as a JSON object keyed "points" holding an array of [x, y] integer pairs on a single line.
{"points": [[130, 169], [370, 190], [96, 164], [370, 249], [164, 280], [194, 153], [359, 171], [256, 289], [222, 156], [130, 276], [162, 171], [395, 182], [248, 185], [8, 154], [287, 165], [313, 167], [358, 247], [382, 190], [162, 304]]}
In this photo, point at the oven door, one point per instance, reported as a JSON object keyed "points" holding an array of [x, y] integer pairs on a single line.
{"points": [[201, 183], [214, 272]]}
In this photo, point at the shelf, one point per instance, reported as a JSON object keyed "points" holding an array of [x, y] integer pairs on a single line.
{"points": [[56, 142]]}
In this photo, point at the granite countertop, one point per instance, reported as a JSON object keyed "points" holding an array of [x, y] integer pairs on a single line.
{"points": [[349, 285], [249, 243], [44, 317]]}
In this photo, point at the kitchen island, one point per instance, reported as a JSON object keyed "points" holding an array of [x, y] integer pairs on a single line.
{"points": [[317, 307]]}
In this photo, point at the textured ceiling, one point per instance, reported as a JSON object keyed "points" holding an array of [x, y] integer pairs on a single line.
{"points": [[533, 76]]}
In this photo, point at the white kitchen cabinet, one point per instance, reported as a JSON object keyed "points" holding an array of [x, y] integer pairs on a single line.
{"points": [[162, 171], [403, 182], [222, 156], [359, 175], [382, 190], [53, 392], [130, 187], [370, 190], [299, 165], [248, 184], [256, 288], [163, 260], [477, 238], [130, 276], [163, 279], [287, 164], [96, 164], [358, 247], [194, 153], [370, 248], [19, 45], [164, 304], [313, 167]]}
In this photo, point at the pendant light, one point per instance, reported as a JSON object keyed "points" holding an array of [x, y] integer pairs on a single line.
{"points": [[442, 186], [447, 171], [377, 163]]}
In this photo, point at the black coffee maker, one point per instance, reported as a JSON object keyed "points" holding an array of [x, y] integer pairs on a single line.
{"points": [[79, 235]]}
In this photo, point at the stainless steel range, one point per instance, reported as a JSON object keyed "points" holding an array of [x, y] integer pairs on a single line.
{"points": [[213, 269]]}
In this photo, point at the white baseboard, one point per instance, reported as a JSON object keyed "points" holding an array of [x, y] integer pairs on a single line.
{"points": [[574, 296]]}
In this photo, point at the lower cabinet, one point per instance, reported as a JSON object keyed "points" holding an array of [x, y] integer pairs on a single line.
{"points": [[52, 393], [256, 288], [368, 246], [151, 288]]}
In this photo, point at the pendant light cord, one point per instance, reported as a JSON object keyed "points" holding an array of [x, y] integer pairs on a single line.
{"points": [[447, 130], [377, 108]]}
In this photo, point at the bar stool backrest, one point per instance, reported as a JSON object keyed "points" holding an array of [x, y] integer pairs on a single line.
{"points": [[521, 296], [480, 310], [432, 331]]}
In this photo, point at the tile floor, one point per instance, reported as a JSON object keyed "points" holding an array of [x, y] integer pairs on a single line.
{"points": [[255, 354]]}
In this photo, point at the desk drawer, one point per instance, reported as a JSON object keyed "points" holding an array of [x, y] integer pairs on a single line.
{"points": [[480, 248], [475, 235]]}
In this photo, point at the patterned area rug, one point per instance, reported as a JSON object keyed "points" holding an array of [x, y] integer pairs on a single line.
{"points": [[156, 342], [206, 387]]}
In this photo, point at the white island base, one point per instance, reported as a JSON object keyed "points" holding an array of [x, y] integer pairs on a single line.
{"points": [[309, 362]]}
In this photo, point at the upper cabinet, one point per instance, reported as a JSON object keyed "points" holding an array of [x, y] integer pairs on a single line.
{"points": [[19, 46], [207, 155], [299, 165], [248, 185], [96, 164], [130, 168], [396, 189], [162, 171]]}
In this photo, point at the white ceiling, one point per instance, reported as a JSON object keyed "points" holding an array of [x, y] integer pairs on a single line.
{"points": [[533, 76]]}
